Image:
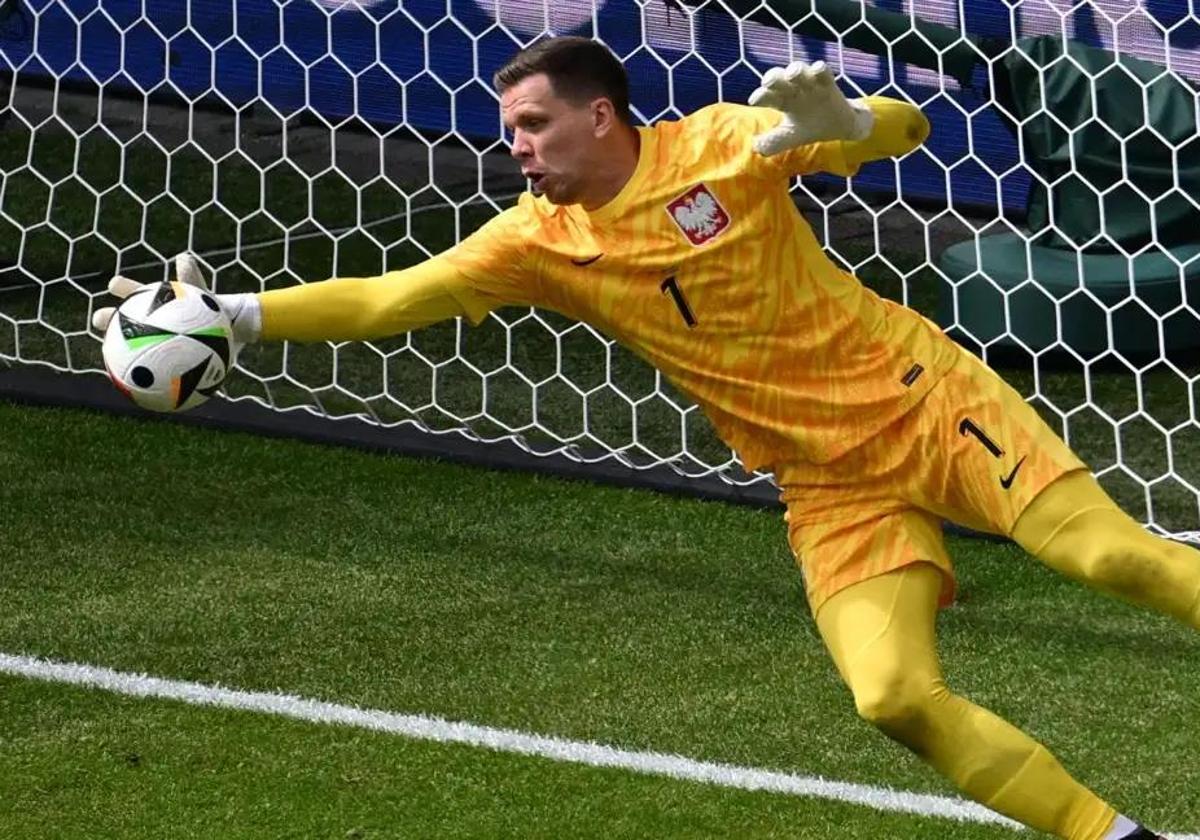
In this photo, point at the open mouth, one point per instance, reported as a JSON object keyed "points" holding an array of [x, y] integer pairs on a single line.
{"points": [[535, 180]]}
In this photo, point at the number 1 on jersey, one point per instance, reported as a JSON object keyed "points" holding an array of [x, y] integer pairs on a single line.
{"points": [[671, 284], [966, 427]]}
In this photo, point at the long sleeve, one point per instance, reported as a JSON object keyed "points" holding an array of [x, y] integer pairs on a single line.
{"points": [[358, 308], [486, 270]]}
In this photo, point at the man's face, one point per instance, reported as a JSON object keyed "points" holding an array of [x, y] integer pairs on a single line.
{"points": [[553, 138]]}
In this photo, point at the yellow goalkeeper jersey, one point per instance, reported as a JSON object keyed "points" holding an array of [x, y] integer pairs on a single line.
{"points": [[701, 265]]}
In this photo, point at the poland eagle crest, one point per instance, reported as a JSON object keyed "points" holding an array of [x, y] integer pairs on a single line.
{"points": [[698, 214]]}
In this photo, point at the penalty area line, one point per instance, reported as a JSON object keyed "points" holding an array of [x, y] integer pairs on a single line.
{"points": [[428, 728]]}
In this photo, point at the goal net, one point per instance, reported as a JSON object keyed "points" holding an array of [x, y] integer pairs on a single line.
{"points": [[1050, 223]]}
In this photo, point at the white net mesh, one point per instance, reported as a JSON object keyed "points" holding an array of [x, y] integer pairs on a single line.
{"points": [[286, 142]]}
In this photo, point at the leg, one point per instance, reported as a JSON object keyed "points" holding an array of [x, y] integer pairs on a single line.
{"points": [[1075, 528], [881, 635]]}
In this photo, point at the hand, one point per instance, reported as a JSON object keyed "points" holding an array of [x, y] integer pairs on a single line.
{"points": [[814, 109], [242, 309]]}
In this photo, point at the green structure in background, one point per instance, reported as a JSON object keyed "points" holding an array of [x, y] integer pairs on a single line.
{"points": [[1109, 230], [1112, 143]]}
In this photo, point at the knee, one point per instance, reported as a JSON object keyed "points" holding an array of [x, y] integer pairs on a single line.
{"points": [[1112, 567], [1122, 564], [900, 706]]}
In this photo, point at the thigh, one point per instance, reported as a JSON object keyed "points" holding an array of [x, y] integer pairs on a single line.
{"points": [[838, 547], [1076, 529], [991, 453], [882, 629], [1058, 507]]}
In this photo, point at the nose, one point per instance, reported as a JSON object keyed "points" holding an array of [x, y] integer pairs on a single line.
{"points": [[521, 147]]}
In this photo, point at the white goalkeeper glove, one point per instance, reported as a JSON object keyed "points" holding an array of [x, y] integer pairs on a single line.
{"points": [[243, 310], [814, 110]]}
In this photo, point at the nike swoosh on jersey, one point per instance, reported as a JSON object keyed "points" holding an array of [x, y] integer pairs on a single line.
{"points": [[587, 261], [1006, 481]]}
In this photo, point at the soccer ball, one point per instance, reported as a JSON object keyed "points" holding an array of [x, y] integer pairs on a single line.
{"points": [[167, 346]]}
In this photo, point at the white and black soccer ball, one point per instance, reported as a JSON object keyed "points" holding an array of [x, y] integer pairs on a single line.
{"points": [[167, 346]]}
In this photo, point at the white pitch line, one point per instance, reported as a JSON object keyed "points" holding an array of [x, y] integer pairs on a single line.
{"points": [[504, 740]]}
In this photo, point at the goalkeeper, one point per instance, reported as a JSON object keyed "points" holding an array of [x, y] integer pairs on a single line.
{"points": [[681, 241]]}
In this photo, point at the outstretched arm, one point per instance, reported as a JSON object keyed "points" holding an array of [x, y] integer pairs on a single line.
{"points": [[361, 308], [486, 270], [355, 308]]}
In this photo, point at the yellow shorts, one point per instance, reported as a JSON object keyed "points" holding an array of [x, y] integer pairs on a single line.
{"points": [[972, 452]]}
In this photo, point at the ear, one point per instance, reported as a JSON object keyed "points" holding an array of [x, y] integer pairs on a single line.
{"points": [[604, 116]]}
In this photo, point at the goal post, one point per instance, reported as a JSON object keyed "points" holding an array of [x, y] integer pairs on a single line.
{"points": [[1049, 223]]}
